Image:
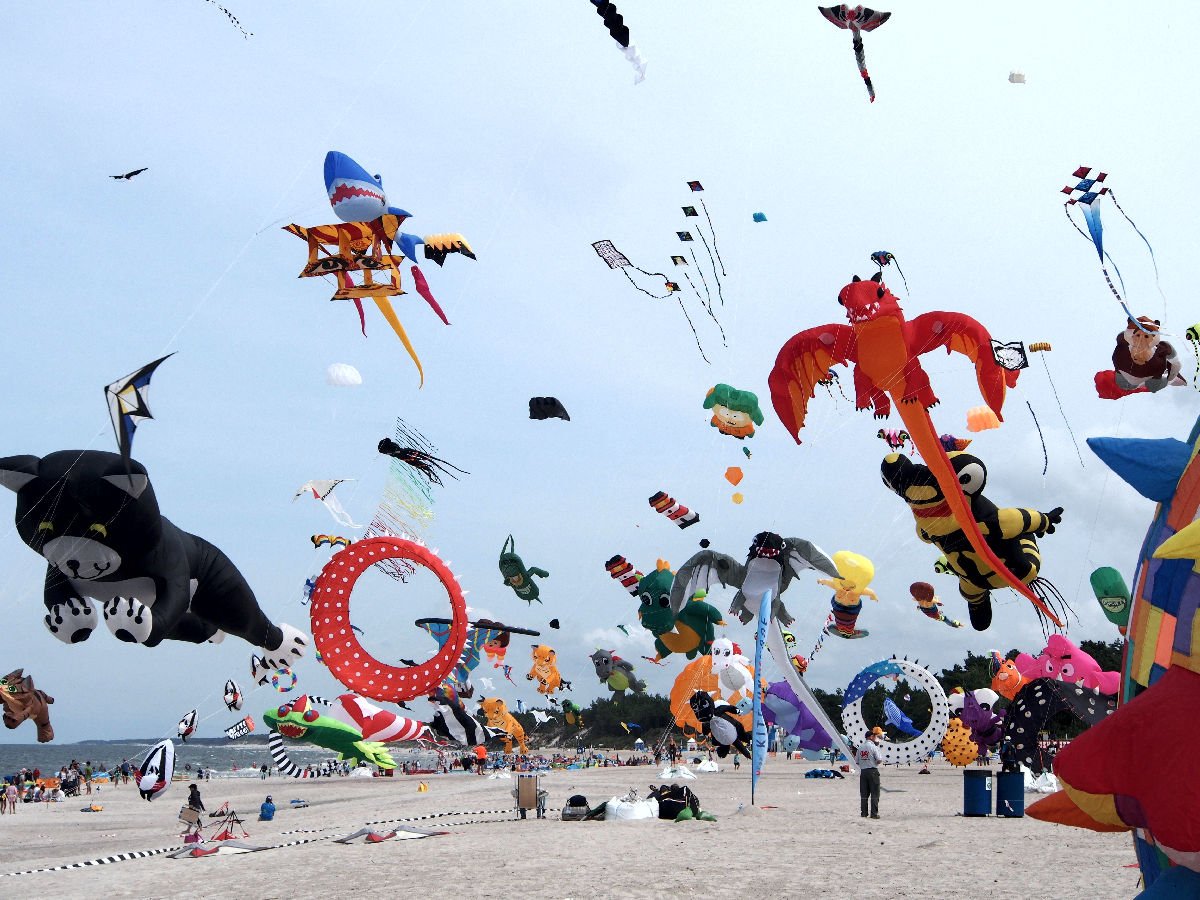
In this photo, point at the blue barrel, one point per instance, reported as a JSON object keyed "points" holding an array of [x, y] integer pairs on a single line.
{"points": [[977, 792], [1010, 795]]}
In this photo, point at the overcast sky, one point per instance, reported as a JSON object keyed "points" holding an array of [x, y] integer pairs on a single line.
{"points": [[518, 124]]}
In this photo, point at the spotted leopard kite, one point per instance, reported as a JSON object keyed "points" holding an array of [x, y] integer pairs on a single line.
{"points": [[857, 19], [886, 351]]}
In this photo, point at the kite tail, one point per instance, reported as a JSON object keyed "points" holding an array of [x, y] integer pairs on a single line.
{"points": [[1103, 256], [642, 289], [385, 307], [362, 319], [693, 327], [713, 263], [1154, 261], [713, 229], [422, 287], [902, 278], [1045, 456], [703, 280], [860, 57], [1052, 597], [713, 316]]}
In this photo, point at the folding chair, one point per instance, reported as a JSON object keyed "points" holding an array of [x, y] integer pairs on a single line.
{"points": [[530, 795]]}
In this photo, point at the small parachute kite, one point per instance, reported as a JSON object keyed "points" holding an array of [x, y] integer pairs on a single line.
{"points": [[615, 23], [128, 404], [857, 19], [233, 696], [157, 768], [343, 375], [547, 408], [187, 726], [323, 490]]}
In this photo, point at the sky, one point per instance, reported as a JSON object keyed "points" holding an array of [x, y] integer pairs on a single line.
{"points": [[519, 125]]}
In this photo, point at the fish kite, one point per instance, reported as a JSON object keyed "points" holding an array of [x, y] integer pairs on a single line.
{"points": [[128, 404], [857, 19]]}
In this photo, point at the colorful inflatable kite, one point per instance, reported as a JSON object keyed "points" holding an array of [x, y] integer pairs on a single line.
{"points": [[734, 412], [20, 700], [928, 603], [1112, 774], [783, 709], [1142, 363], [855, 573], [1113, 595], [886, 350], [1063, 661], [857, 19], [482, 634], [367, 242], [545, 671], [352, 728], [517, 576], [347, 660], [1040, 701], [95, 519], [680, 623], [676, 512], [735, 675], [916, 750], [1010, 545], [616, 674], [495, 711], [772, 563]]}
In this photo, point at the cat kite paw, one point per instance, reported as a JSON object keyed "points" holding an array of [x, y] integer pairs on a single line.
{"points": [[73, 621], [128, 619]]}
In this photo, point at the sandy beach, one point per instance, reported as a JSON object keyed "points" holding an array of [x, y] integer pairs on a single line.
{"points": [[803, 838]]}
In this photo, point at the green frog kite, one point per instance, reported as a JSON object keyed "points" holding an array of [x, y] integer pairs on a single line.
{"points": [[516, 576]]}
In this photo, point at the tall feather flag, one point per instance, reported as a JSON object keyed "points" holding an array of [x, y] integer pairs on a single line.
{"points": [[758, 741], [128, 404]]}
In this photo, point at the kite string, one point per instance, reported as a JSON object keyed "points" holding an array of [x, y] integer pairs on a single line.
{"points": [[1045, 456], [713, 229], [1063, 413], [1153, 261]]}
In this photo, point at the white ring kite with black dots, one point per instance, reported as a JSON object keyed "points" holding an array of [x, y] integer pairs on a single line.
{"points": [[919, 748]]}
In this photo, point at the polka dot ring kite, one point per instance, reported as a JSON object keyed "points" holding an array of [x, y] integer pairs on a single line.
{"points": [[284, 680], [919, 747], [338, 645]]}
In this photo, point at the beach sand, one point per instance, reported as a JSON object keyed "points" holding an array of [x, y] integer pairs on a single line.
{"points": [[804, 838]]}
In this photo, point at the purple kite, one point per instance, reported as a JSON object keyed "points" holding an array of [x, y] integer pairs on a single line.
{"points": [[781, 707]]}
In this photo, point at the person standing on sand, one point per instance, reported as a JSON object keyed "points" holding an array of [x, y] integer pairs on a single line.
{"points": [[867, 757]]}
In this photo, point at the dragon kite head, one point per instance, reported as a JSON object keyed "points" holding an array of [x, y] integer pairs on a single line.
{"points": [[866, 301], [766, 545], [654, 595]]}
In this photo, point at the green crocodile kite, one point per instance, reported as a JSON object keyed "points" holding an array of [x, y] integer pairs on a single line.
{"points": [[689, 630], [300, 720]]}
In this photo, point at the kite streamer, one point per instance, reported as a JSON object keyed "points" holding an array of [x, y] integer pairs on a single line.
{"points": [[233, 20]]}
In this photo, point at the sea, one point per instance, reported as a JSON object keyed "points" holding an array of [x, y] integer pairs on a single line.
{"points": [[224, 758]]}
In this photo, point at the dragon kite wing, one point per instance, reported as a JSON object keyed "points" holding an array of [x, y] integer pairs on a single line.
{"points": [[128, 404], [701, 571], [962, 334], [803, 362]]}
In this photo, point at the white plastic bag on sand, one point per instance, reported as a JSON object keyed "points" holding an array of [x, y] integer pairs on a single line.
{"points": [[708, 765], [619, 808], [671, 772]]}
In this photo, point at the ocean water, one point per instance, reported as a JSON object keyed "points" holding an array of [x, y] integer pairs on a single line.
{"points": [[227, 759]]}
